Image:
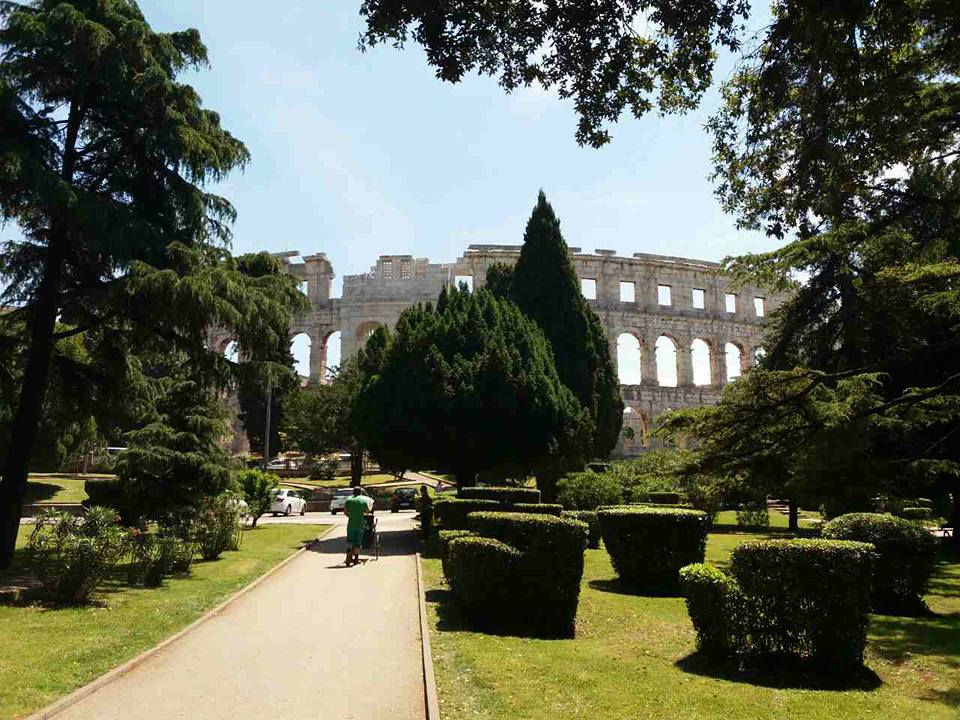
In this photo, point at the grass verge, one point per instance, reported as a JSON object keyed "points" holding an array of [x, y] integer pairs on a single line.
{"points": [[48, 653], [634, 658], [57, 488]]}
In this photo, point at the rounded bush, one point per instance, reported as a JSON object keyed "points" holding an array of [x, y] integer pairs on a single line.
{"points": [[444, 538], [916, 513], [714, 602], [589, 490], [905, 557], [805, 598], [451, 513], [593, 525], [538, 509], [500, 494], [482, 573], [649, 545]]}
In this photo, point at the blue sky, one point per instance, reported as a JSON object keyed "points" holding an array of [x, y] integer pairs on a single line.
{"points": [[358, 154]]}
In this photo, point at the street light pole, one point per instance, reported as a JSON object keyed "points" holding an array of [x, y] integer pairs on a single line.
{"points": [[266, 425]]}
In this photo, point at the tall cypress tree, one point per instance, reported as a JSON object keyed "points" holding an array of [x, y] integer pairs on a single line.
{"points": [[545, 286]]}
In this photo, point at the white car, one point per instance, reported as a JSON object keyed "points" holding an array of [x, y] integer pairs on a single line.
{"points": [[339, 499], [288, 501]]}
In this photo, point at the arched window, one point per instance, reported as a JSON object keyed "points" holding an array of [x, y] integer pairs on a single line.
{"points": [[628, 359], [364, 331], [758, 355], [666, 354], [700, 359], [231, 350], [300, 349], [333, 354], [734, 357]]}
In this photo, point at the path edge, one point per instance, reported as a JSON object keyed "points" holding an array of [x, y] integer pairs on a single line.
{"points": [[116, 673], [431, 702]]}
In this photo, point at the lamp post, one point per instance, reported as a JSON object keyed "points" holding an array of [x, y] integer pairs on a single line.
{"points": [[266, 424]]}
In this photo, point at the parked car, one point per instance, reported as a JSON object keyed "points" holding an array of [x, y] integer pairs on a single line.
{"points": [[339, 499], [288, 501], [403, 498]]}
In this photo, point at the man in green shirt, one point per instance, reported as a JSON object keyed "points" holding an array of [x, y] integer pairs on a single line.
{"points": [[356, 509]]}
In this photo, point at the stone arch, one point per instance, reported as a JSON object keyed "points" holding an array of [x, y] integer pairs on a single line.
{"points": [[364, 331], [735, 357], [700, 361], [629, 352], [758, 354], [301, 347], [667, 353], [332, 354], [230, 349]]}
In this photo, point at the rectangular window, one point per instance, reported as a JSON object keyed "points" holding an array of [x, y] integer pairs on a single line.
{"points": [[589, 288], [304, 286], [758, 306], [388, 269], [730, 301], [663, 295], [464, 280], [628, 292], [405, 273], [699, 299]]}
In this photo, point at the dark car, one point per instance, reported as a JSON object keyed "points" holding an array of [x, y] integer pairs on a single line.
{"points": [[403, 498]]}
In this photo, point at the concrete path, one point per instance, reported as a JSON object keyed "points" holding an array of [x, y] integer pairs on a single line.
{"points": [[317, 640]]}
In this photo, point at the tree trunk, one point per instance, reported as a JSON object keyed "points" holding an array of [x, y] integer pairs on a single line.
{"points": [[43, 321], [356, 467], [794, 523]]}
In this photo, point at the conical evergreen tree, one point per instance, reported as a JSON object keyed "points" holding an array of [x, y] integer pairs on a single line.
{"points": [[545, 286]]}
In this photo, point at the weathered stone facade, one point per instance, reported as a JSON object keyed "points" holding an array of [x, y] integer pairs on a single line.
{"points": [[697, 309]]}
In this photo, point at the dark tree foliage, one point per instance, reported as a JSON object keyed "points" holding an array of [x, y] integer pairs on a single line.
{"points": [[103, 159], [546, 288], [499, 280], [607, 55], [278, 372], [467, 385]]}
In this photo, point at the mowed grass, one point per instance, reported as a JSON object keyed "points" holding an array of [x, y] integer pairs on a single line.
{"points": [[47, 653], [57, 488], [633, 658]]}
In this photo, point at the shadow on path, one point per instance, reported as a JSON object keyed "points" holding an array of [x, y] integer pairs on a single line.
{"points": [[393, 542]]}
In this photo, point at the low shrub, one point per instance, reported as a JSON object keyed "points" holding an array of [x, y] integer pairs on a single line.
{"points": [[219, 526], [593, 525], [325, 470], [500, 494], [451, 513], [153, 557], [715, 605], [425, 507], [649, 545], [76, 554], [905, 558], [753, 516], [917, 513], [805, 598], [444, 538], [484, 575], [546, 590], [259, 489], [538, 508], [589, 490]]}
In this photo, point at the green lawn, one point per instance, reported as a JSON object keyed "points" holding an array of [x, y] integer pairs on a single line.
{"points": [[631, 659], [728, 518], [47, 653], [57, 488]]}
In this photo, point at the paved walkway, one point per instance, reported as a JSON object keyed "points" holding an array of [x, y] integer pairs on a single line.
{"points": [[317, 640]]}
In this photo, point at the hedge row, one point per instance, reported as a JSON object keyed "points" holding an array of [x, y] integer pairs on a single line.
{"points": [[539, 561], [593, 525], [451, 513], [649, 545], [803, 598], [508, 495], [905, 558], [538, 509]]}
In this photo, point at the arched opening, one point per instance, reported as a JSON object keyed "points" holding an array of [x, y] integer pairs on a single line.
{"points": [[734, 357], [333, 360], [300, 349], [628, 359], [364, 331], [700, 360], [231, 350], [666, 353], [758, 355]]}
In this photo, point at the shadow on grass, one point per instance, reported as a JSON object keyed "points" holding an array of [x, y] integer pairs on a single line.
{"points": [[450, 618], [40, 491], [617, 586], [897, 638], [781, 673]]}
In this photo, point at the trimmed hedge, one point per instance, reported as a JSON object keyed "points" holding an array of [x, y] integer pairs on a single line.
{"points": [[451, 513], [593, 525], [916, 513], [808, 599], [905, 558], [546, 588], [508, 495], [649, 545], [538, 509], [484, 575], [444, 538]]}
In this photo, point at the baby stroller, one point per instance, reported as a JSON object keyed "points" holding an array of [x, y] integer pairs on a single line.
{"points": [[371, 537]]}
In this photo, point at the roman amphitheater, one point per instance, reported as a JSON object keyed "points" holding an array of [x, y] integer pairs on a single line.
{"points": [[678, 328]]}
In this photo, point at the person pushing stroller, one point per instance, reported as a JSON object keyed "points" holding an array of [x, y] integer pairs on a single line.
{"points": [[357, 509]]}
